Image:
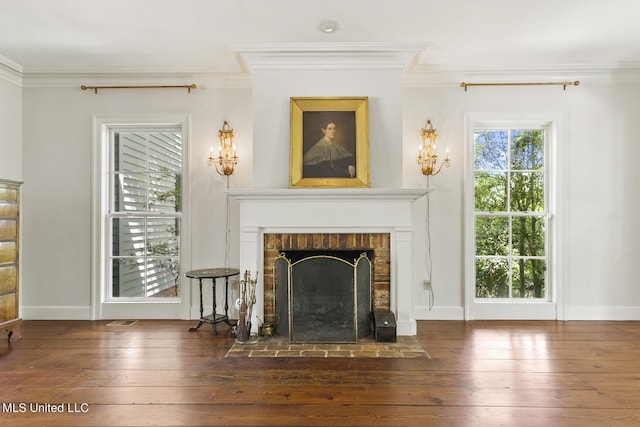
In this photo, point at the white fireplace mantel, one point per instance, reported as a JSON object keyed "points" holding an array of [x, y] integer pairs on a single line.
{"points": [[328, 193], [344, 210]]}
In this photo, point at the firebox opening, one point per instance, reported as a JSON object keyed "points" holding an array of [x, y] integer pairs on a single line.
{"points": [[323, 296]]}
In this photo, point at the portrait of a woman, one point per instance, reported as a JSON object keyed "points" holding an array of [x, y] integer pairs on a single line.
{"points": [[328, 145]]}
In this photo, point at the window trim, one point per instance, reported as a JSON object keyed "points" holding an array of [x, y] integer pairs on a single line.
{"points": [[555, 167], [101, 306]]}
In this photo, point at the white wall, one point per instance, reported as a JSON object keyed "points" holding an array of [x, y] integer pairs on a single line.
{"points": [[602, 233], [602, 197], [603, 203], [57, 191], [272, 91], [10, 130]]}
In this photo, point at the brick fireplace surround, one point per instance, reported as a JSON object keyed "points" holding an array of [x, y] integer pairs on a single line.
{"points": [[379, 243], [303, 217]]}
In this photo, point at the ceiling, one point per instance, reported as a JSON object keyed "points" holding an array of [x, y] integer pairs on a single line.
{"points": [[197, 36]]}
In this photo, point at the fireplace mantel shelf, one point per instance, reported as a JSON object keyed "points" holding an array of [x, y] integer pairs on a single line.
{"points": [[273, 194]]}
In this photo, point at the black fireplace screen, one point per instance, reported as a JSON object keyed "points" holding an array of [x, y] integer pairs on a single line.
{"points": [[323, 297]]}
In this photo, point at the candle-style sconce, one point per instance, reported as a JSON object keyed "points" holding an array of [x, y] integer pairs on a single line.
{"points": [[427, 155], [227, 155]]}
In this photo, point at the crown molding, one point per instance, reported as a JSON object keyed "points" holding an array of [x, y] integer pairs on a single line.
{"points": [[404, 56], [10, 71], [124, 70], [453, 76], [340, 56], [201, 80]]}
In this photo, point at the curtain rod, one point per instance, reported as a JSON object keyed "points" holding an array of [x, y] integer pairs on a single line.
{"points": [[95, 88], [563, 84]]}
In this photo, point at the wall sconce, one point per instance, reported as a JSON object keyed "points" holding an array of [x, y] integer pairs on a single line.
{"points": [[227, 156], [427, 156]]}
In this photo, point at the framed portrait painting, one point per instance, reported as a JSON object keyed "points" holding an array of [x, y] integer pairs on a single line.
{"points": [[329, 144]]}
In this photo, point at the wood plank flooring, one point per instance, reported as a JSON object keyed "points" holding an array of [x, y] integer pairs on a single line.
{"points": [[156, 373]]}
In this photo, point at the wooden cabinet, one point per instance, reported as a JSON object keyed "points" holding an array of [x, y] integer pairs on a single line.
{"points": [[9, 258]]}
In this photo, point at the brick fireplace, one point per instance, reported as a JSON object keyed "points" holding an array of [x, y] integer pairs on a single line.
{"points": [[277, 219], [378, 243]]}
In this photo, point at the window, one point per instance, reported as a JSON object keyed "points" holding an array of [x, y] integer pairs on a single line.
{"points": [[510, 213], [145, 208]]}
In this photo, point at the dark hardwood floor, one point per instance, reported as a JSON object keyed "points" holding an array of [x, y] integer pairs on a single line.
{"points": [[155, 373]]}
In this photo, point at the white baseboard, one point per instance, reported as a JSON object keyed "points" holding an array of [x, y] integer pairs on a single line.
{"points": [[56, 313], [404, 328], [438, 313], [602, 313]]}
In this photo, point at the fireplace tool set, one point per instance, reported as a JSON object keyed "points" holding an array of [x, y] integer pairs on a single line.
{"points": [[244, 304]]}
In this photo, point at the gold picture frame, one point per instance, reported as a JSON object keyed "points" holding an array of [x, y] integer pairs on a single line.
{"points": [[329, 144]]}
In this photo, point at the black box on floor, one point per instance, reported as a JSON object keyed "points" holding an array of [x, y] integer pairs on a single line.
{"points": [[384, 326]]}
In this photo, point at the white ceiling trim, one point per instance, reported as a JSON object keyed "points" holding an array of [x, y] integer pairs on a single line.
{"points": [[438, 76], [411, 78], [330, 56], [201, 80], [305, 56], [10, 71]]}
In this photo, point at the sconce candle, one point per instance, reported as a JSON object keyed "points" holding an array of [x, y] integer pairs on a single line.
{"points": [[427, 155], [227, 156]]}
